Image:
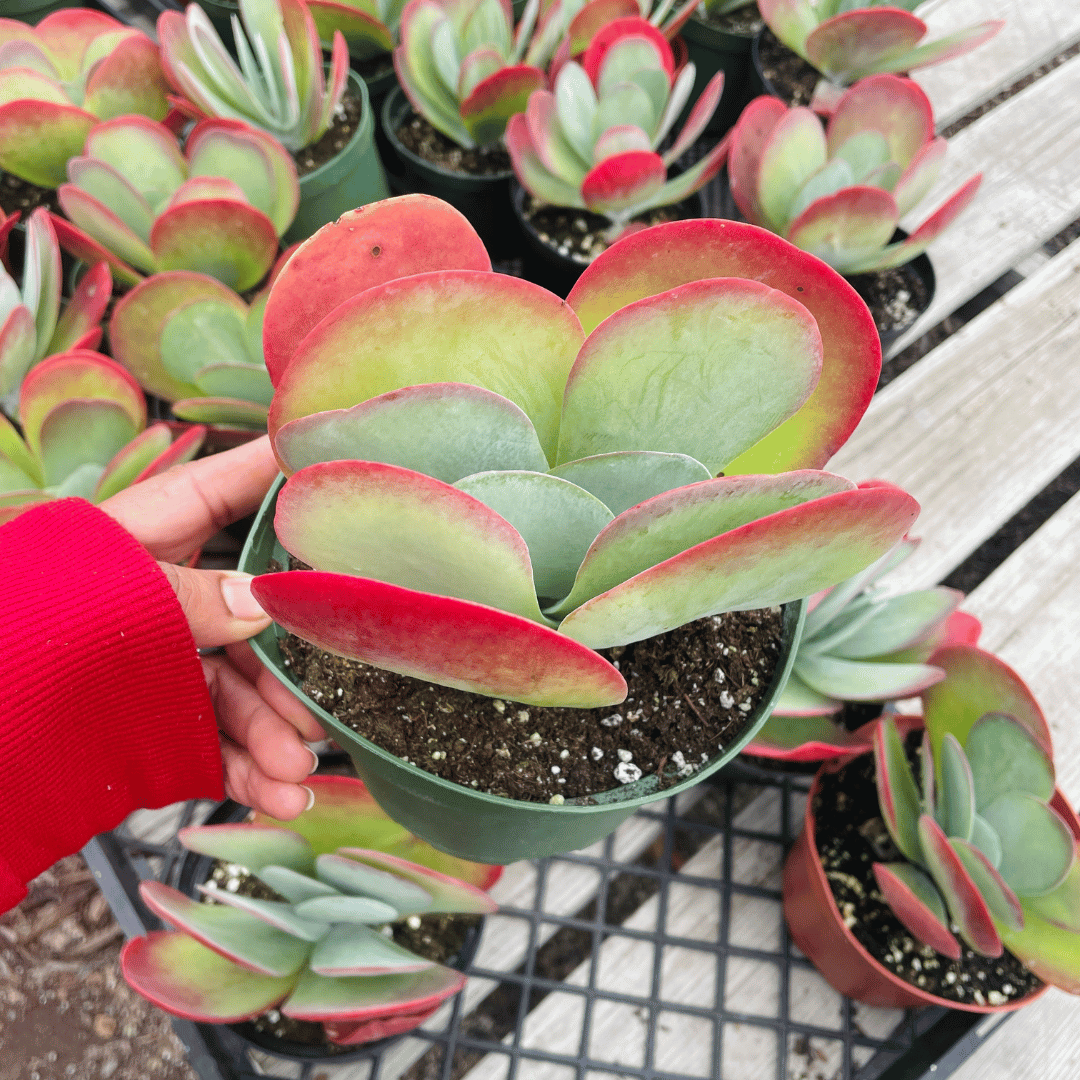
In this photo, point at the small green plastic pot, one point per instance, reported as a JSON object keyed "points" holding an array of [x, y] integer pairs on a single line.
{"points": [[33, 11], [352, 178], [711, 50], [469, 823]]}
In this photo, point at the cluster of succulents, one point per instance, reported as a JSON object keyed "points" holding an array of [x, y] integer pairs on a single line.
{"points": [[846, 41], [32, 324], [58, 79], [983, 847], [593, 143], [838, 190], [341, 871], [279, 86], [83, 421], [564, 495], [139, 203]]}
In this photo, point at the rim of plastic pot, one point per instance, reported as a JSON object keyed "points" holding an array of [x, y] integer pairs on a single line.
{"points": [[332, 171], [819, 930], [195, 869], [708, 36], [394, 109], [473, 824]]}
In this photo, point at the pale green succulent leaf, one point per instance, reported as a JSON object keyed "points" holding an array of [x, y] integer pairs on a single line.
{"points": [[276, 913], [132, 460], [363, 910], [445, 54], [234, 379], [145, 155], [986, 839], [353, 951], [1061, 906], [622, 480], [624, 103], [956, 795], [898, 622], [293, 885], [357, 879], [832, 176], [250, 846], [82, 432], [80, 483], [318, 997], [109, 187], [861, 680], [222, 412], [1005, 757], [202, 333], [863, 152], [793, 153], [1037, 848], [799, 700], [576, 105]]}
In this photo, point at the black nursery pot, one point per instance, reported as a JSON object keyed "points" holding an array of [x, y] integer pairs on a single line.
{"points": [[542, 262], [195, 869], [711, 50], [484, 200]]}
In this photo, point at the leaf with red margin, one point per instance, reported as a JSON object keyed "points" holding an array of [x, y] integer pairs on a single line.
{"points": [[128, 80], [847, 228], [915, 901], [779, 558], [366, 997], [808, 738], [898, 794], [354, 1034], [84, 310], [749, 139], [793, 153], [365, 36], [700, 115], [858, 42], [863, 680], [185, 978], [920, 176], [38, 138], [790, 20], [486, 111], [1004, 904], [673, 254], [67, 34], [609, 34], [897, 108], [411, 234], [183, 449], [935, 52], [531, 172], [621, 182], [798, 700], [223, 413], [594, 16], [18, 338], [540, 131], [105, 230], [131, 460], [207, 187], [439, 639], [13, 503], [447, 894], [77, 244], [966, 905]]}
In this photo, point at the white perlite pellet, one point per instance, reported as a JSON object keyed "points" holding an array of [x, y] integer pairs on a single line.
{"points": [[626, 772]]}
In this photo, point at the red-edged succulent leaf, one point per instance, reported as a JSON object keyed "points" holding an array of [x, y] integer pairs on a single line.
{"points": [[700, 115], [346, 1033], [131, 460], [593, 58], [898, 794], [960, 629], [84, 310], [349, 950], [846, 228], [364, 35], [18, 338], [447, 894], [317, 997], [451, 642], [749, 138], [67, 34], [1003, 903], [284, 916], [670, 255], [915, 901], [622, 182], [495, 99], [236, 935], [863, 680], [594, 16], [412, 234], [358, 879], [920, 176], [38, 138], [857, 41], [808, 738], [793, 153], [184, 448], [935, 52], [128, 80], [250, 845], [185, 978], [896, 107]]}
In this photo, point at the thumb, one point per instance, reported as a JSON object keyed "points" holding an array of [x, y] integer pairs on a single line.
{"points": [[217, 603]]}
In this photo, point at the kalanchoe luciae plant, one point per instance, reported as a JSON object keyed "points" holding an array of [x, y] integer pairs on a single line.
{"points": [[847, 40], [984, 848], [370, 27], [468, 467], [592, 144], [839, 190], [32, 325], [83, 420], [460, 64], [58, 79], [860, 644], [341, 869], [279, 86], [219, 207]]}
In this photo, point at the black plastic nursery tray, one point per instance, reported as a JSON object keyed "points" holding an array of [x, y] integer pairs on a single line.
{"points": [[671, 964]]}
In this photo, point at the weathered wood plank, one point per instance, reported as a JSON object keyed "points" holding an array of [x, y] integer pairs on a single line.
{"points": [[982, 423], [1028, 149]]}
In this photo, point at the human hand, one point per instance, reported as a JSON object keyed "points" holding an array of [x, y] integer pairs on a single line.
{"points": [[262, 725]]}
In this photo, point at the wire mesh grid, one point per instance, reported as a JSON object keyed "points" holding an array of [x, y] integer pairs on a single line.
{"points": [[670, 964]]}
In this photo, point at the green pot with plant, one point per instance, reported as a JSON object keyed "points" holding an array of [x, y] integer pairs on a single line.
{"points": [[514, 494], [322, 117]]}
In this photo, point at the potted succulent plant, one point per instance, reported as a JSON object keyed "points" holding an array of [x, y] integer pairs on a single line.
{"points": [[839, 189], [83, 420], [538, 517], [370, 29], [586, 155], [861, 647], [809, 52], [892, 867], [293, 925], [323, 119], [57, 81]]}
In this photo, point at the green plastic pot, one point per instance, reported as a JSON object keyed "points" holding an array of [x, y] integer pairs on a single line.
{"points": [[712, 50], [33, 11], [469, 823], [352, 178]]}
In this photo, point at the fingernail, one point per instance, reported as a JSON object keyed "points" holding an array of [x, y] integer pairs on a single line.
{"points": [[310, 798], [236, 592], [314, 761]]}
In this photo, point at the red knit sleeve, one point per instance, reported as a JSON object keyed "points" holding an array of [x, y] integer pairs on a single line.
{"points": [[104, 708]]}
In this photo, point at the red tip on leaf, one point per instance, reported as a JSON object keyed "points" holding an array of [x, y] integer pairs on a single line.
{"points": [[621, 181], [924, 925], [593, 58]]}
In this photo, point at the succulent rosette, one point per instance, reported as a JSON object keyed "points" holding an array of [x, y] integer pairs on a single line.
{"points": [[58, 79], [138, 203], [460, 65], [279, 86], [839, 190], [846, 43], [83, 419], [489, 494], [593, 143], [33, 322], [342, 869], [861, 644], [984, 841]]}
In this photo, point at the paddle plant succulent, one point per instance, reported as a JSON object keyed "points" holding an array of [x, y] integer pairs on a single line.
{"points": [[341, 870], [141, 205], [592, 144], [839, 190], [83, 419], [370, 27], [847, 41], [58, 79], [32, 325], [460, 65], [279, 86], [985, 849], [489, 494]]}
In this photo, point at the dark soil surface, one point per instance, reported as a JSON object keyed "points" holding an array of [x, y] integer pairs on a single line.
{"points": [[792, 78], [896, 297], [689, 694], [336, 138], [745, 21], [16, 194], [851, 837], [433, 146]]}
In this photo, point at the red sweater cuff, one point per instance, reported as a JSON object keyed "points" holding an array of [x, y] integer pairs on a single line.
{"points": [[105, 706]]}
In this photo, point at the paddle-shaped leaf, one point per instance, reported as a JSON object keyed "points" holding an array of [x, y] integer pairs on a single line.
{"points": [[898, 795], [446, 893], [915, 901], [624, 479], [1003, 903], [354, 878], [282, 916], [1037, 848], [1005, 756], [318, 997], [251, 846], [350, 951]]}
